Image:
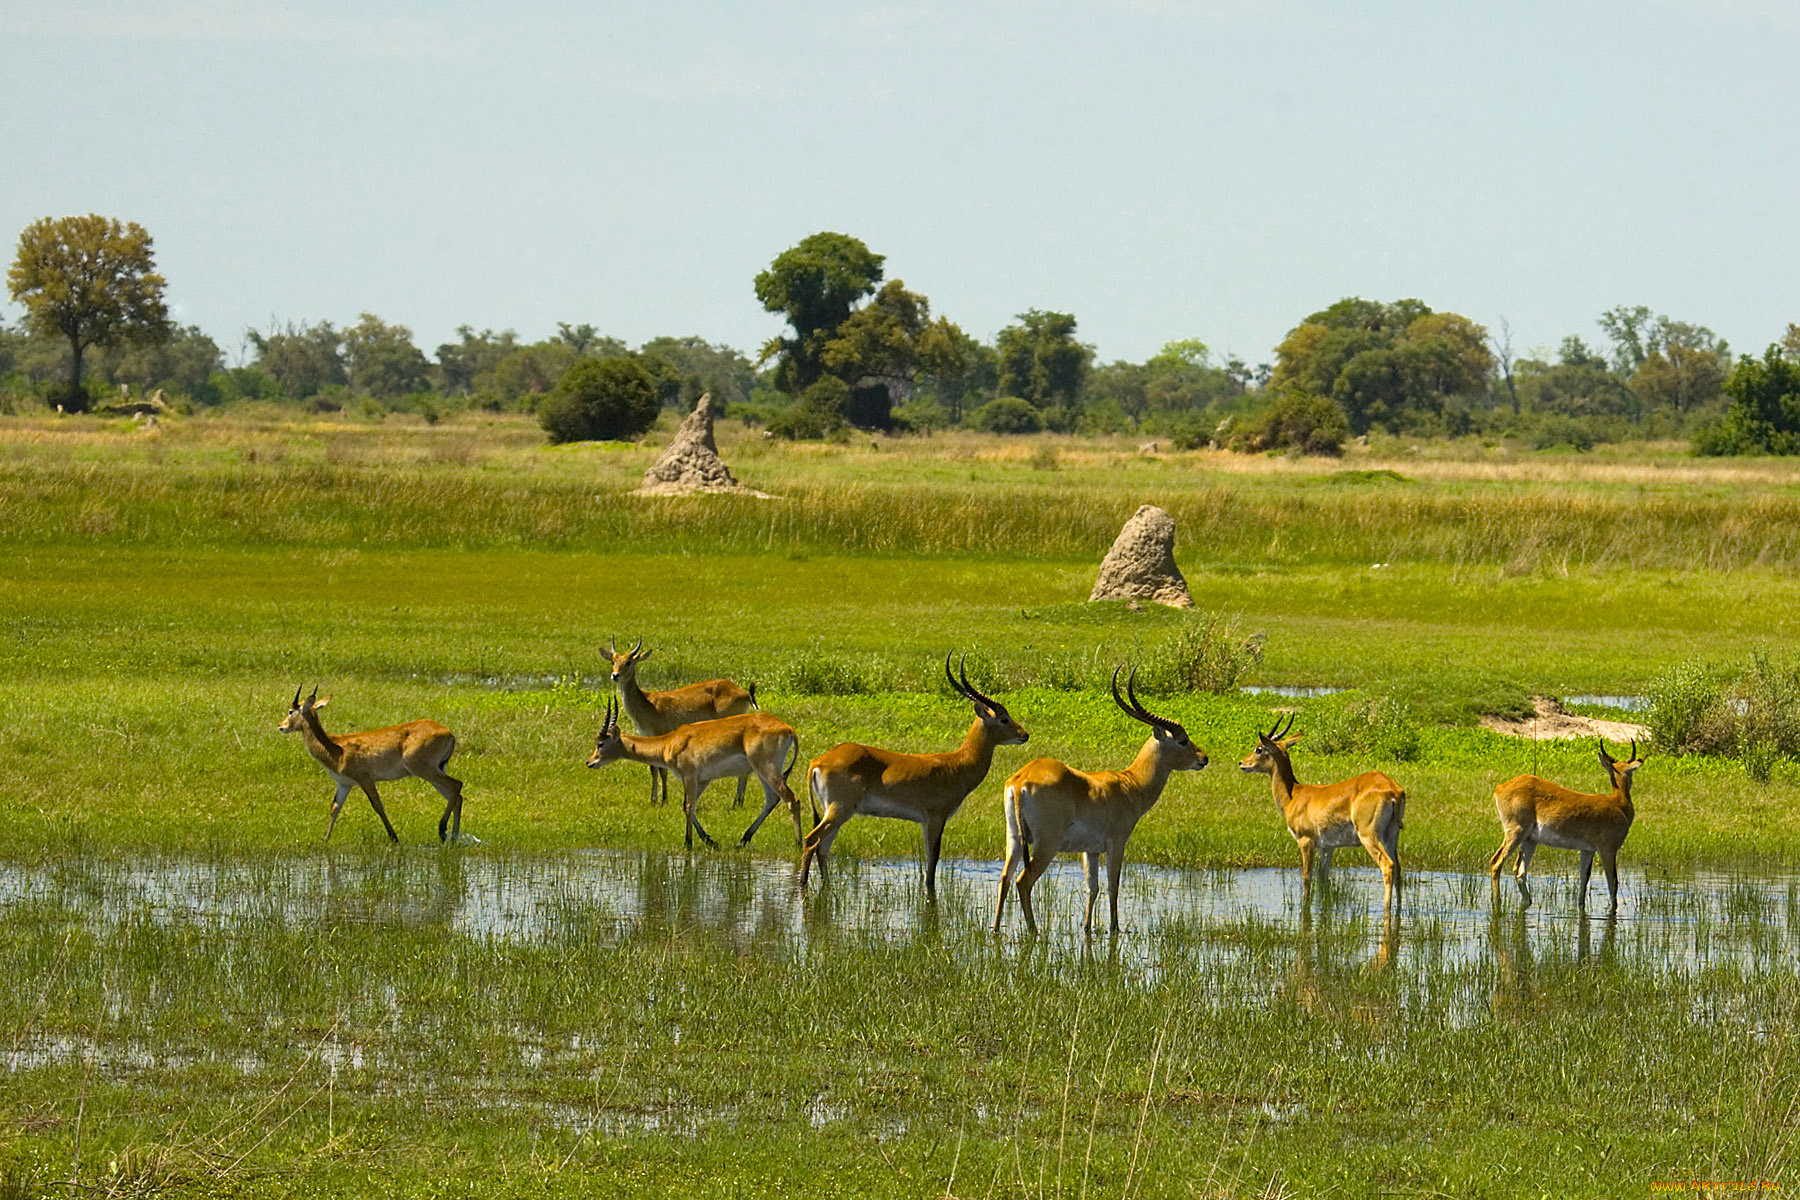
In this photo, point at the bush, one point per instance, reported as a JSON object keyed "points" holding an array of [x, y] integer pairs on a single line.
{"points": [[1756, 719], [1304, 422], [1686, 713], [1764, 415], [1007, 414], [818, 413], [1357, 724], [1206, 653], [600, 399], [816, 673]]}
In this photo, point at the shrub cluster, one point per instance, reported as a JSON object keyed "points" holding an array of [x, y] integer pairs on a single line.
{"points": [[1753, 717], [1206, 653], [1361, 724]]}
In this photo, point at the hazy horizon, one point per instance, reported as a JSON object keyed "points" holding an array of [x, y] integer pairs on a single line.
{"points": [[1162, 169]]}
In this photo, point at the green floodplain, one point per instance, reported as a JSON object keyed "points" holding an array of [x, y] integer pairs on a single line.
{"points": [[210, 1000]]}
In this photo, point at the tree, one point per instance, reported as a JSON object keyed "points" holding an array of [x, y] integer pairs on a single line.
{"points": [[600, 399], [303, 359], [1763, 416], [473, 354], [185, 361], [584, 339], [382, 360], [92, 281], [1578, 384], [815, 285], [705, 367], [1041, 362], [1385, 364]]}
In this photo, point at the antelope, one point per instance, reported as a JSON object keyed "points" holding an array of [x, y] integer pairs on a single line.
{"points": [[418, 748], [661, 712], [707, 750], [1052, 808], [1536, 812], [1329, 816], [849, 779]]}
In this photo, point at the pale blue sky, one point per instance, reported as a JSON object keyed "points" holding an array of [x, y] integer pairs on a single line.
{"points": [[1161, 168]]}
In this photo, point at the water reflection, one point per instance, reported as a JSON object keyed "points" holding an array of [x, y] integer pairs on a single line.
{"points": [[1178, 918]]}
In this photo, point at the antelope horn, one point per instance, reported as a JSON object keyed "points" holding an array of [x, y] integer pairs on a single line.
{"points": [[1289, 728], [1162, 723], [951, 676], [1634, 749], [612, 644], [636, 648], [296, 703], [314, 696], [968, 688]]}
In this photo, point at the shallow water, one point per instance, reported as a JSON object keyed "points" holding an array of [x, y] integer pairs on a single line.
{"points": [[1674, 922]]}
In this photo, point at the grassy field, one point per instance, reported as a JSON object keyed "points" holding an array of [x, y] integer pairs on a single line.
{"points": [[165, 590]]}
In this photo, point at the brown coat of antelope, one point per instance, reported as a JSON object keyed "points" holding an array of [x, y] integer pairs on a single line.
{"points": [[420, 748], [1369, 809], [1536, 812], [1053, 808], [663, 712], [707, 750], [850, 780]]}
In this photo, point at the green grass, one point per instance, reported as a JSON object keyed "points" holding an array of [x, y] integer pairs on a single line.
{"points": [[163, 594]]}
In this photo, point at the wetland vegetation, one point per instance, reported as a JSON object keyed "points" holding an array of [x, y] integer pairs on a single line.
{"points": [[212, 1002]]}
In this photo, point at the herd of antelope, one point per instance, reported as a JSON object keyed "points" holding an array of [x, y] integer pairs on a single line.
{"points": [[713, 730]]}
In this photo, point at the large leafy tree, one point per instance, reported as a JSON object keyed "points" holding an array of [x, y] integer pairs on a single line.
{"points": [[705, 367], [881, 350], [304, 359], [471, 355], [1763, 416], [184, 361], [1040, 361], [816, 285], [382, 360], [1385, 364], [1579, 383], [91, 281]]}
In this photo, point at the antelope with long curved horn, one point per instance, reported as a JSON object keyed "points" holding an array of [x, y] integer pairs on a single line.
{"points": [[851, 779], [1052, 808]]}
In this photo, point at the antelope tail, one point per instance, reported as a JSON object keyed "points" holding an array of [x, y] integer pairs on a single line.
{"points": [[753, 702], [812, 794]]}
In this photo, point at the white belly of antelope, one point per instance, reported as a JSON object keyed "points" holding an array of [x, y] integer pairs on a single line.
{"points": [[1546, 836], [876, 805]]}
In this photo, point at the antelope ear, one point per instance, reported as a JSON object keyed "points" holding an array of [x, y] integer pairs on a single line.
{"points": [[318, 704], [1288, 742], [1606, 762], [641, 655]]}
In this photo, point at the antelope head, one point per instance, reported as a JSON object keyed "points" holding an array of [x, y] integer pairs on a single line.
{"points": [[1271, 750], [624, 666], [1619, 773], [1171, 739], [1000, 726], [609, 745], [299, 710]]}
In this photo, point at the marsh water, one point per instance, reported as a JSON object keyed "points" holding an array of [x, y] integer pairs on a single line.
{"points": [[1680, 922]]}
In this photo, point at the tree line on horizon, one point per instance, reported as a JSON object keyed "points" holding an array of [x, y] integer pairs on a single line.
{"points": [[862, 351]]}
